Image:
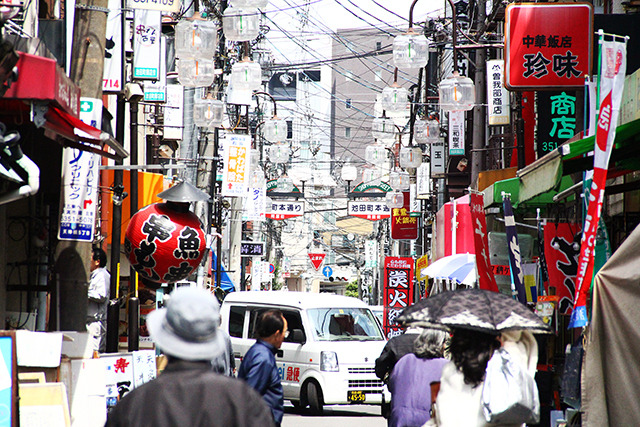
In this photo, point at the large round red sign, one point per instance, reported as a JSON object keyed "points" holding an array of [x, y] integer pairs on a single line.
{"points": [[164, 243]]}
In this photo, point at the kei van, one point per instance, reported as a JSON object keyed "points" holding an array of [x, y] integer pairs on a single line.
{"points": [[329, 355]]}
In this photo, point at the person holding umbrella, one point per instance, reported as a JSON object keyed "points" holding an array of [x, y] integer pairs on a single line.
{"points": [[482, 322]]}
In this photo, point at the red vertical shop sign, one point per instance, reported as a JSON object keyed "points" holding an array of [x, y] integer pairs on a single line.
{"points": [[548, 45], [404, 226], [398, 292]]}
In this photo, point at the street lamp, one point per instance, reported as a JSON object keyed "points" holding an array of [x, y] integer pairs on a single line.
{"points": [[375, 154], [395, 98], [410, 157], [349, 173], [196, 38], [410, 50], [208, 112], [394, 199], [383, 128], [246, 75], [426, 131], [399, 180], [241, 24]]}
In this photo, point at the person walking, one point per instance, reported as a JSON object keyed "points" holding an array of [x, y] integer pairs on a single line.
{"points": [[393, 350], [188, 392], [411, 378], [259, 369], [98, 299]]}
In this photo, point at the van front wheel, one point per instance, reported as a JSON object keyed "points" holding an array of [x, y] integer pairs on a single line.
{"points": [[314, 397]]}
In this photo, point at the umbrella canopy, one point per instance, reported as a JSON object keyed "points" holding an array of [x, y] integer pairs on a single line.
{"points": [[476, 309], [458, 267]]}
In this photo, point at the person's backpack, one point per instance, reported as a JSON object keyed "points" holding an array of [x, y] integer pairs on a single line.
{"points": [[509, 393]]}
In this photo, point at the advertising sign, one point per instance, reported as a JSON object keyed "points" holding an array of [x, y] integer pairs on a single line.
{"points": [[371, 254], [497, 94], [398, 292], [316, 259], [456, 133], [437, 160], [251, 248], [146, 44], [285, 210], [156, 90], [404, 226], [236, 167], [162, 5], [371, 211], [254, 209], [112, 74], [556, 120], [548, 45], [481, 243]]}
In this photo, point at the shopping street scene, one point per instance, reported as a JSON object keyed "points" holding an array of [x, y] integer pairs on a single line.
{"points": [[319, 212]]}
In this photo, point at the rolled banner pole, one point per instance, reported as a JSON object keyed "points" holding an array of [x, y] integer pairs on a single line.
{"points": [[134, 320], [113, 318]]}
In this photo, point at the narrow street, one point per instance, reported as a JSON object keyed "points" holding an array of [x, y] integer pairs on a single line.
{"points": [[352, 416]]}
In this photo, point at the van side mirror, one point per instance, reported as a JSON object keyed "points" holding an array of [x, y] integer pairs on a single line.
{"points": [[297, 336]]}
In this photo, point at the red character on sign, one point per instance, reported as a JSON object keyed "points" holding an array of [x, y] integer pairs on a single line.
{"points": [[121, 364]]}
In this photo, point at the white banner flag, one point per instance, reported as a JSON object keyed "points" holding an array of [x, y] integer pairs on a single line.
{"points": [[146, 44]]}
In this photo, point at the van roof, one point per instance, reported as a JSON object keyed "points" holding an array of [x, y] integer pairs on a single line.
{"points": [[294, 299]]}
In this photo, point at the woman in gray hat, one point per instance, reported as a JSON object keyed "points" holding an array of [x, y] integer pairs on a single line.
{"points": [[188, 392]]}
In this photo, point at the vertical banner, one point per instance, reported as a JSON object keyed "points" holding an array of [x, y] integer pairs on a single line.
{"points": [[404, 225], [156, 90], [173, 117], [112, 74], [486, 280], [561, 250], [256, 206], [543, 279], [423, 181], [456, 133], [146, 44], [613, 66], [437, 160], [515, 259], [371, 254], [398, 292], [498, 97], [237, 164]]}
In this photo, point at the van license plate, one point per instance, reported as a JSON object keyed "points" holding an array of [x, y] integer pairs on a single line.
{"points": [[355, 396]]}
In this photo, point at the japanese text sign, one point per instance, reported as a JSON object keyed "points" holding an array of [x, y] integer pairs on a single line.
{"points": [[438, 168], [398, 292], [235, 175], [404, 226], [456, 133], [556, 120], [486, 280], [316, 259], [251, 248], [146, 46], [161, 5], [285, 210], [548, 45], [112, 73], [372, 211], [497, 95]]}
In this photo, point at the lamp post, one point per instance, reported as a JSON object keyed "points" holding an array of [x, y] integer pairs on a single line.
{"points": [[348, 173]]}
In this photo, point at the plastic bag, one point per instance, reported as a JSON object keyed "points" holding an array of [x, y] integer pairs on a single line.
{"points": [[509, 393]]}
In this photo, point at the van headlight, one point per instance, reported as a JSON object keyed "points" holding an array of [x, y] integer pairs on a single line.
{"points": [[329, 361]]}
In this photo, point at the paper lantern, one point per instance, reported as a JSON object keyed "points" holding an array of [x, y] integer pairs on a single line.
{"points": [[164, 242]]}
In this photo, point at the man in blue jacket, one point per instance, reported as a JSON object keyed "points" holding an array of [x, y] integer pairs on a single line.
{"points": [[259, 368]]}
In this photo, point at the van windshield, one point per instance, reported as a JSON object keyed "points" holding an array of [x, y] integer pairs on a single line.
{"points": [[344, 324]]}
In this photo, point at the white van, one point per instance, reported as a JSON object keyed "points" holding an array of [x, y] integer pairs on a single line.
{"points": [[328, 357]]}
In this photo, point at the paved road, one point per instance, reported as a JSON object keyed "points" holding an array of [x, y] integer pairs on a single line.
{"points": [[346, 415]]}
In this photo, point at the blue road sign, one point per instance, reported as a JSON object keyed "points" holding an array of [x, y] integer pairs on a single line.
{"points": [[327, 271]]}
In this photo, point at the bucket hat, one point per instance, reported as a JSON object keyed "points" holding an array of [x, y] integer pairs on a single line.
{"points": [[188, 327]]}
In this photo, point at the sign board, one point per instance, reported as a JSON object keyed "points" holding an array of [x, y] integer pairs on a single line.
{"points": [[456, 133], [285, 210], [173, 117], [254, 209], [423, 181], [556, 119], [372, 211], [236, 166], [371, 254], [327, 271], [497, 95], [421, 263], [112, 74], [251, 248], [437, 160], [146, 44], [548, 45], [316, 259], [404, 226], [162, 5], [398, 292], [156, 90]]}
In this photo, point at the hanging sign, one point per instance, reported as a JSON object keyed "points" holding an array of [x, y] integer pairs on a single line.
{"points": [[556, 120], [146, 44], [371, 254], [162, 5], [173, 117], [316, 259], [285, 210], [548, 45], [156, 90], [612, 74], [456, 133], [112, 74], [438, 169], [254, 209], [497, 95], [486, 280], [235, 172], [404, 226], [398, 292], [251, 248], [371, 211]]}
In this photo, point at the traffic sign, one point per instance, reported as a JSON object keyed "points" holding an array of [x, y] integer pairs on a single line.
{"points": [[272, 268], [316, 259], [327, 271]]}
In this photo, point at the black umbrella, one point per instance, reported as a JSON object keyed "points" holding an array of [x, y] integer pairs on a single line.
{"points": [[476, 309]]}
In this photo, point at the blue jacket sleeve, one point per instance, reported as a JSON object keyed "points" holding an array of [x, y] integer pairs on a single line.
{"points": [[256, 372]]}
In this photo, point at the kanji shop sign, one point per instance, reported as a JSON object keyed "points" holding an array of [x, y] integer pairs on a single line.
{"points": [[251, 248], [398, 292], [556, 120], [285, 210], [316, 259], [548, 45], [372, 211], [404, 226]]}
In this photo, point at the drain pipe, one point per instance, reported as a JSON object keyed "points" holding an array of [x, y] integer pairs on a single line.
{"points": [[33, 172]]}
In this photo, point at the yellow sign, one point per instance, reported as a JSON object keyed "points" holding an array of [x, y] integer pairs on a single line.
{"points": [[421, 263]]}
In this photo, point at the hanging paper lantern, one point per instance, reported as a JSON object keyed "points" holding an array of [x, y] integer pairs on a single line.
{"points": [[164, 242]]}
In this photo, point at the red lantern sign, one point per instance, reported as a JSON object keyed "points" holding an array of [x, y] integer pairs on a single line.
{"points": [[164, 243]]}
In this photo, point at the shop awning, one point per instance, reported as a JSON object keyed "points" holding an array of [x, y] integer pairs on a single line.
{"points": [[545, 174], [512, 186]]}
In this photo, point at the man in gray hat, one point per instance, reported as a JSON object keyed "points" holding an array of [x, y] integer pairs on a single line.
{"points": [[188, 392]]}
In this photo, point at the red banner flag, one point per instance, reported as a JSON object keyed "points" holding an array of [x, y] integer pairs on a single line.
{"points": [[486, 280]]}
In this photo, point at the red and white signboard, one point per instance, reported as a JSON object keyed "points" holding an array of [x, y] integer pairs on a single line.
{"points": [[372, 211], [548, 45], [285, 210], [316, 260], [398, 292], [404, 226]]}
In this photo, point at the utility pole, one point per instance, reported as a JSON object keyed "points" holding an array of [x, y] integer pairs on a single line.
{"points": [[73, 258], [479, 112]]}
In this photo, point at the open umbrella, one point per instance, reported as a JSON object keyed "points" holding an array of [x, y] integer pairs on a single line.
{"points": [[476, 309], [458, 267]]}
